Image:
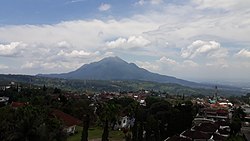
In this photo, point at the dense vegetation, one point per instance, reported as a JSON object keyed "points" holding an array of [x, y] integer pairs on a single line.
{"points": [[159, 118], [115, 86], [29, 123]]}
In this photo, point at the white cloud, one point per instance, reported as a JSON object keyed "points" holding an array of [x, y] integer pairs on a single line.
{"points": [[221, 63], [79, 34], [189, 63], [104, 7], [28, 65], [169, 66], [244, 53], [222, 4], [74, 53], [130, 42], [167, 61], [148, 66], [75, 38], [156, 1], [142, 2], [64, 44], [208, 48], [109, 54], [43, 65], [3, 67], [214, 4], [12, 49]]}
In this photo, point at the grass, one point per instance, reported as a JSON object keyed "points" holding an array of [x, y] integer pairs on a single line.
{"points": [[95, 133]]}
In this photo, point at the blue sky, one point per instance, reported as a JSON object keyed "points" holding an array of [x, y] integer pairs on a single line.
{"points": [[53, 11], [200, 40]]}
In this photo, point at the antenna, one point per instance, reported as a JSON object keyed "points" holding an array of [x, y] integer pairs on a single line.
{"points": [[216, 93], [30, 83]]}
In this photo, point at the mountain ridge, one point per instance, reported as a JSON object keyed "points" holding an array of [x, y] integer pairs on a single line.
{"points": [[114, 68]]}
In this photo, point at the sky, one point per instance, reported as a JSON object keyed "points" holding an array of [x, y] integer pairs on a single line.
{"points": [[198, 40]]}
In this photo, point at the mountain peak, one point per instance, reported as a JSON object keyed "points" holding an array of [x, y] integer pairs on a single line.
{"points": [[115, 68], [112, 59]]}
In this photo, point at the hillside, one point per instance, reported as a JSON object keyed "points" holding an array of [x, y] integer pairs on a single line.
{"points": [[114, 85]]}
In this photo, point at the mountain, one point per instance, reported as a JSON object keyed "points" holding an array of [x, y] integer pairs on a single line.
{"points": [[114, 68]]}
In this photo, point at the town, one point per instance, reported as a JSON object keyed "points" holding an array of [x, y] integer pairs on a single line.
{"points": [[31, 112]]}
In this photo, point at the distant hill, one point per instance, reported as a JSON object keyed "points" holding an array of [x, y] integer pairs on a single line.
{"points": [[114, 68], [113, 85]]}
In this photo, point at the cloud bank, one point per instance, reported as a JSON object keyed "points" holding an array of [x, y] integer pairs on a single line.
{"points": [[200, 39]]}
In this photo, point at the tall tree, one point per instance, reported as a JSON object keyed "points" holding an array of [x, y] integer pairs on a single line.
{"points": [[107, 112], [85, 128]]}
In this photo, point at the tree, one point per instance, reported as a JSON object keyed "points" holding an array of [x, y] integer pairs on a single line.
{"points": [[57, 91], [29, 123], [85, 128], [235, 126], [44, 88], [239, 113], [107, 112], [238, 116]]}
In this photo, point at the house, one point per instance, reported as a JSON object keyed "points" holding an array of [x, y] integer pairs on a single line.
{"points": [[16, 105], [69, 121], [198, 121], [217, 137], [208, 128], [4, 101], [195, 135], [124, 122], [177, 138]]}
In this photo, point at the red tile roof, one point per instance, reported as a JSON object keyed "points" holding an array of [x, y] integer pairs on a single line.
{"points": [[178, 138], [217, 137], [17, 104], [207, 127], [196, 135], [223, 123], [67, 119]]}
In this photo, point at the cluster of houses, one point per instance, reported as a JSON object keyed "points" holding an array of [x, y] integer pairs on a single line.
{"points": [[211, 123], [4, 87], [205, 131], [105, 96]]}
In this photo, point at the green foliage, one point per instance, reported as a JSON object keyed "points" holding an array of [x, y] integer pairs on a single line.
{"points": [[29, 123], [108, 113], [237, 118], [86, 121], [235, 126], [239, 113]]}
